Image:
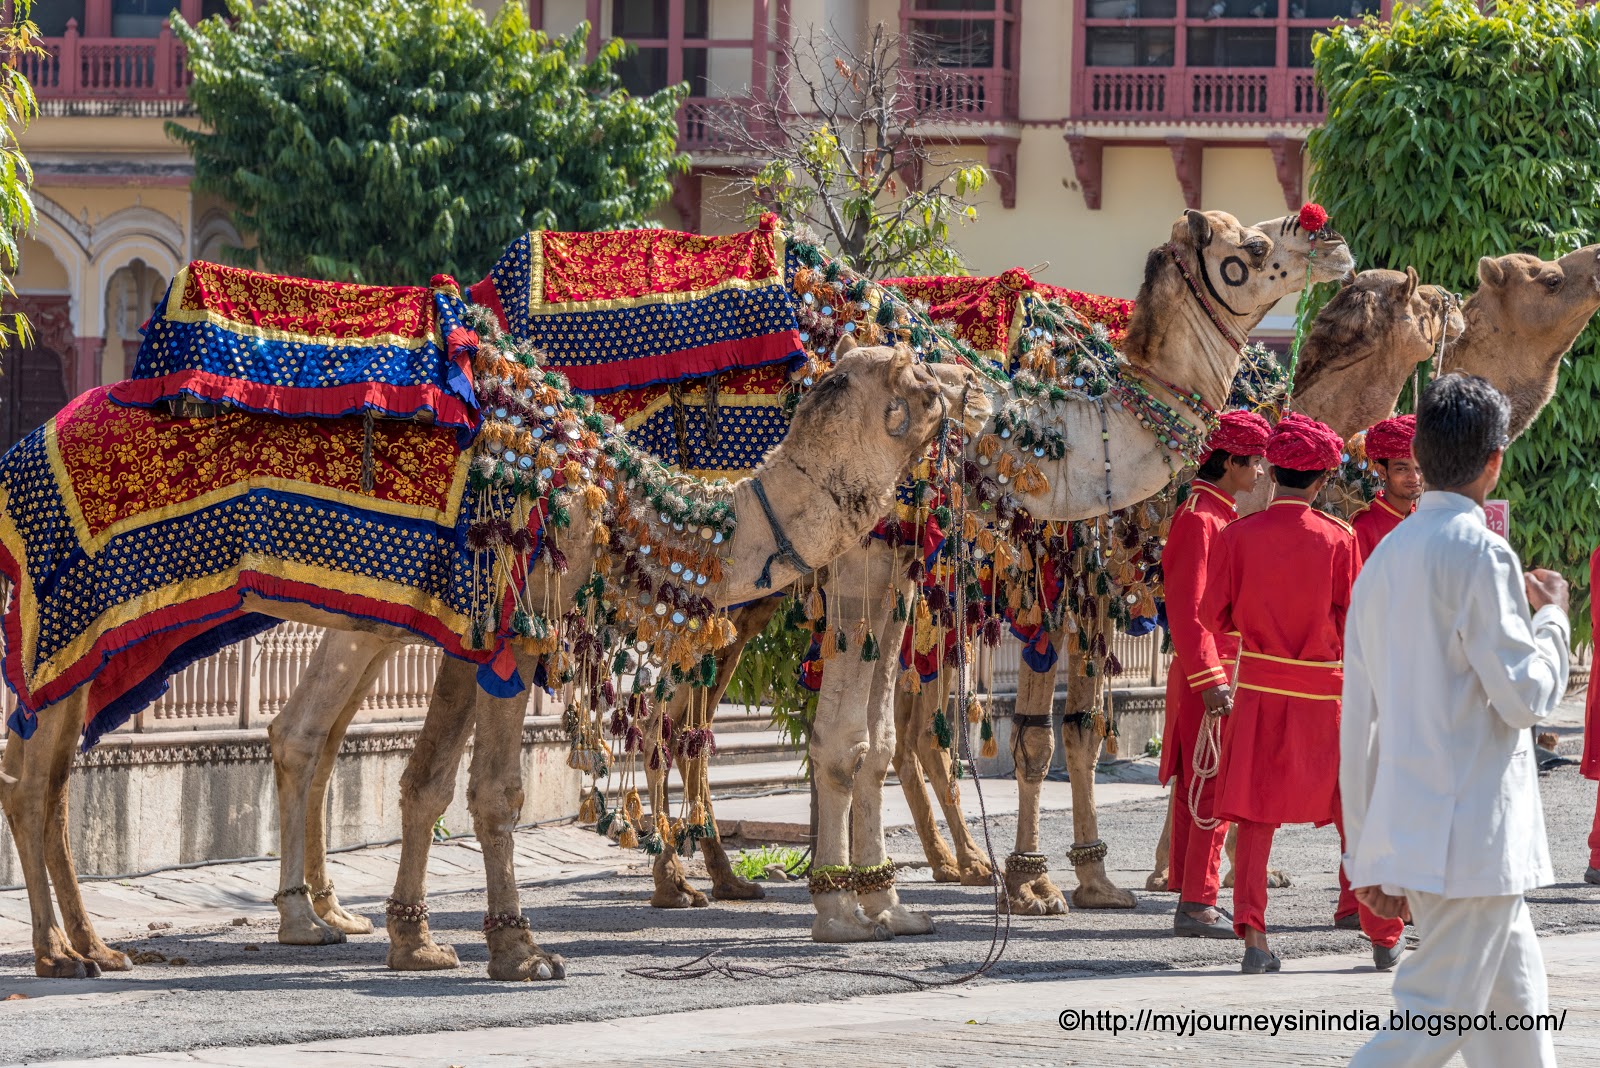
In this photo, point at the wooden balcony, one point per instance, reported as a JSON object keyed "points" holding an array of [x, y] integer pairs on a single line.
{"points": [[1197, 95], [108, 68], [951, 94]]}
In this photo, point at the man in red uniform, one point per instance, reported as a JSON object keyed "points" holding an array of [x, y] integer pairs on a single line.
{"points": [[1589, 768], [1281, 579], [1389, 448], [1198, 681]]}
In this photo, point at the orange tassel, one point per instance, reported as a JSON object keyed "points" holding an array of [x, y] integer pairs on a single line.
{"points": [[991, 748], [910, 681], [629, 838]]}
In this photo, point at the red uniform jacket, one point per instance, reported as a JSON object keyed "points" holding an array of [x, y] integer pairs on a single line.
{"points": [[1200, 659], [1373, 522], [1590, 767], [1282, 579]]}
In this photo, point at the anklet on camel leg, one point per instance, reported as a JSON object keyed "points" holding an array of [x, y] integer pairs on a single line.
{"points": [[1089, 851], [283, 895], [502, 921], [1026, 866], [323, 894], [404, 913]]}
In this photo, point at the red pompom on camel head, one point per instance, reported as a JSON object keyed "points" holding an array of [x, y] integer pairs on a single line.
{"points": [[1313, 217]]}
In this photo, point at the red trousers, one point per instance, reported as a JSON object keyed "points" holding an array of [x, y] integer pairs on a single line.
{"points": [[1195, 856], [1594, 835], [1250, 886]]}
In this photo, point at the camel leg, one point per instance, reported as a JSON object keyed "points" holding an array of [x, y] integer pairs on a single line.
{"points": [[672, 888], [1029, 891], [25, 795], [876, 893], [1157, 879], [495, 796], [337, 675], [972, 865], [426, 787], [64, 871], [839, 748], [908, 765], [1095, 890], [324, 899]]}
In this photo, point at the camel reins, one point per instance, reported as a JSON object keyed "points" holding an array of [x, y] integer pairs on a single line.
{"points": [[785, 552]]}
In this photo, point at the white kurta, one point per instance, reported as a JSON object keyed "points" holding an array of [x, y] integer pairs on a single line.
{"points": [[1443, 675]]}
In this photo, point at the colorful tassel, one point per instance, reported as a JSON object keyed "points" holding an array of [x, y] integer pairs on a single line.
{"points": [[869, 647], [588, 811], [941, 730], [974, 710], [629, 838], [910, 681]]}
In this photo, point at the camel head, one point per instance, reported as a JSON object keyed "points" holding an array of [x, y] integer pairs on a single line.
{"points": [[1365, 343], [1524, 317], [881, 400], [1239, 272]]}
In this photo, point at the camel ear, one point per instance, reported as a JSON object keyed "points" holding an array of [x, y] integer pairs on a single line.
{"points": [[1411, 282], [1490, 273], [902, 358], [1199, 228], [846, 344]]}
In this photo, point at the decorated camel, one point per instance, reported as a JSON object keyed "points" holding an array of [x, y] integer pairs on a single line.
{"points": [[1362, 347], [522, 554]]}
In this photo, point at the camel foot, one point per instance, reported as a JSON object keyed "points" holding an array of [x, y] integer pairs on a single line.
{"points": [[515, 958], [947, 873], [412, 949], [673, 889], [1036, 897], [1227, 880], [108, 959], [1156, 882], [65, 967], [734, 888], [977, 873], [1277, 879], [902, 921], [302, 932], [857, 928], [1101, 893], [342, 919]]}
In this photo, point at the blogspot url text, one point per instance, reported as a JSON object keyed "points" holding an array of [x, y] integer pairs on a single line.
{"points": [[1187, 1023]]}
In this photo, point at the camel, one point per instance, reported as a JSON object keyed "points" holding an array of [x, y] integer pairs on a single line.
{"points": [[1364, 345], [1187, 345], [852, 438]]}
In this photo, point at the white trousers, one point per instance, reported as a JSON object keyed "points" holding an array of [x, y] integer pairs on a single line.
{"points": [[1477, 955]]}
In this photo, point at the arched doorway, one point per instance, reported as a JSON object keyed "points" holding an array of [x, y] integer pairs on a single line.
{"points": [[131, 295]]}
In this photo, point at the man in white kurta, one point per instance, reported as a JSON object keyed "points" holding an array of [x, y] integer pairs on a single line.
{"points": [[1444, 672]]}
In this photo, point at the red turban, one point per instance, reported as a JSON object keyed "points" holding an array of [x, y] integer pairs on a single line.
{"points": [[1302, 444], [1238, 432], [1391, 439]]}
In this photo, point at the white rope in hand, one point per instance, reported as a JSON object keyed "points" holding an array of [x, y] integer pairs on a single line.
{"points": [[1207, 759]]}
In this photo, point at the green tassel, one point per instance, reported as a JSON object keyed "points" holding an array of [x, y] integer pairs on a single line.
{"points": [[605, 821], [1088, 669], [561, 518], [986, 731], [900, 612], [652, 844], [869, 647], [708, 670], [838, 640], [941, 729]]}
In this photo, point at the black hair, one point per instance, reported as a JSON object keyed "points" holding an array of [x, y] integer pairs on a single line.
{"points": [[1461, 422], [1216, 464], [1384, 462], [1290, 479]]}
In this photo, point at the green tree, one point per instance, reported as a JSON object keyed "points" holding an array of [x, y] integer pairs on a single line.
{"points": [[1454, 133], [387, 140], [18, 108]]}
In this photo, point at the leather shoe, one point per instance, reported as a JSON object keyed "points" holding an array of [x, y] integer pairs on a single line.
{"points": [[1592, 876], [1189, 925], [1384, 958], [1257, 961], [1349, 922]]}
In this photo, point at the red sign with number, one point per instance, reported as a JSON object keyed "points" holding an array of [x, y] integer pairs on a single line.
{"points": [[1498, 513]]}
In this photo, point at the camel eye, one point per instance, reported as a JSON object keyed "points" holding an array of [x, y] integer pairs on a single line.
{"points": [[1553, 282]]}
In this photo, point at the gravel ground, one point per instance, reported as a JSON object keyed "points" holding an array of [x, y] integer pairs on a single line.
{"points": [[232, 994]]}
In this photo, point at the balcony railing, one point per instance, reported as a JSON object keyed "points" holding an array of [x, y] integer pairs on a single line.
{"points": [[963, 95], [1140, 94], [703, 122], [108, 68]]}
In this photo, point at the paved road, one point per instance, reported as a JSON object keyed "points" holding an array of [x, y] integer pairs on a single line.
{"points": [[230, 995]]}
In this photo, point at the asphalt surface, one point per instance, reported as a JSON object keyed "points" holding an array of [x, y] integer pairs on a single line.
{"points": [[228, 994]]}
